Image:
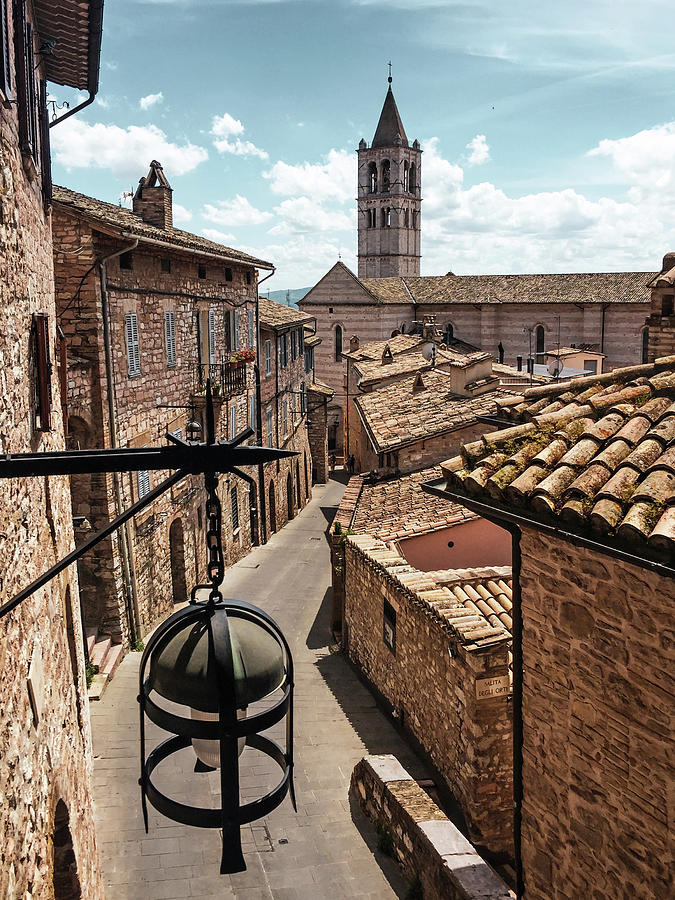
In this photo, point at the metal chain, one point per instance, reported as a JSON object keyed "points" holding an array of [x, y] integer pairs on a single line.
{"points": [[214, 544]]}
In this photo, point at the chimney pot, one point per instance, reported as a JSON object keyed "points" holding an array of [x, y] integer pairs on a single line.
{"points": [[152, 200]]}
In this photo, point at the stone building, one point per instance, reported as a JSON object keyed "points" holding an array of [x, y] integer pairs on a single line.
{"points": [[583, 477], [427, 621], [285, 377], [527, 315], [149, 312], [47, 840], [660, 326]]}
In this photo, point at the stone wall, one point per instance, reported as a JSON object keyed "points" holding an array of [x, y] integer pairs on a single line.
{"points": [[597, 724], [167, 540], [429, 678], [430, 850], [46, 756], [317, 432]]}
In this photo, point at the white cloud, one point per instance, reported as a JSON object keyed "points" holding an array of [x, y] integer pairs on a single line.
{"points": [[333, 179], [300, 215], [221, 237], [301, 261], [125, 151], [645, 159], [479, 151], [224, 128], [235, 212], [101, 101], [151, 100], [181, 215]]}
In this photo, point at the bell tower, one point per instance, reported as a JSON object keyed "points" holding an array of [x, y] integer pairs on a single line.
{"points": [[389, 198]]}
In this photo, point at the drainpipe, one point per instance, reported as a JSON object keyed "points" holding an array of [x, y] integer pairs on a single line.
{"points": [[262, 499], [128, 571], [605, 306]]}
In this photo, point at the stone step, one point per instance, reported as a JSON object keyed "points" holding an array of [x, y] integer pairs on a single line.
{"points": [[113, 658], [97, 687], [100, 651], [90, 634]]}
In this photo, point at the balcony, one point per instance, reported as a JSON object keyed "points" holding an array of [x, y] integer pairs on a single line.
{"points": [[228, 377]]}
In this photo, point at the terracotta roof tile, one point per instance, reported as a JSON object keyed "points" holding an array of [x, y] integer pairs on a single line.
{"points": [[401, 343], [278, 315], [607, 464], [395, 414]]}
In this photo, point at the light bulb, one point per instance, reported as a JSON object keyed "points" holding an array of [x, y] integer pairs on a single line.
{"points": [[209, 751]]}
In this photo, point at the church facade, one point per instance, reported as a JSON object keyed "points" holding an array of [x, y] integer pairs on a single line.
{"points": [[527, 315]]}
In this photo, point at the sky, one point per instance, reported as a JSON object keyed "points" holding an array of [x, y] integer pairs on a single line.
{"points": [[548, 129]]}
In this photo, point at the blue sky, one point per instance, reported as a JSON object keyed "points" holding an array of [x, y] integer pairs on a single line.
{"points": [[548, 129]]}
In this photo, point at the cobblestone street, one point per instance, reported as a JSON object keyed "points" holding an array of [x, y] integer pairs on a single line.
{"points": [[326, 850]]}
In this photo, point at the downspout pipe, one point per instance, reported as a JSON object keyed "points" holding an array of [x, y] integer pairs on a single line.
{"points": [[124, 534], [262, 499], [605, 307], [71, 112]]}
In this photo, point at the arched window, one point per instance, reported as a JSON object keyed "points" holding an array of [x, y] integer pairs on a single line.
{"points": [[414, 219], [372, 178], [406, 218], [385, 175], [448, 333], [539, 338], [405, 176], [338, 343], [645, 345], [412, 179]]}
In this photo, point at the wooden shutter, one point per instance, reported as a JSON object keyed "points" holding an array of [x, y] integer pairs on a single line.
{"points": [[233, 420], [5, 50], [143, 483], [251, 411], [235, 508], [25, 80], [251, 324], [133, 345], [45, 154], [268, 357], [235, 329], [269, 427], [170, 337], [43, 371], [212, 337]]}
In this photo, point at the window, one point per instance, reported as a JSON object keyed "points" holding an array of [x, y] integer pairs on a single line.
{"points": [[201, 271], [372, 218], [5, 61], [385, 175], [248, 278], [251, 328], [591, 365], [127, 260], [539, 337], [235, 509], [338, 343], [233, 329], [228, 274], [412, 180], [269, 427], [165, 264], [233, 420], [142, 483], [133, 345], [284, 416], [667, 305], [645, 345], [251, 412], [294, 345], [405, 176], [301, 341], [309, 359], [389, 626], [283, 351], [43, 371], [170, 337], [268, 358], [212, 337], [372, 178], [25, 81]]}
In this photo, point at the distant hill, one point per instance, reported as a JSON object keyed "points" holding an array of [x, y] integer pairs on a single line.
{"points": [[288, 298]]}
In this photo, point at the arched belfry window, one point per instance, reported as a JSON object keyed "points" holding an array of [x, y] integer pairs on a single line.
{"points": [[372, 178], [412, 179], [539, 337], [385, 175], [405, 176], [645, 345], [338, 343]]}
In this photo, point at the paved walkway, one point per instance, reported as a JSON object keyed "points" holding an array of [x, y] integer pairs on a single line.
{"points": [[327, 849]]}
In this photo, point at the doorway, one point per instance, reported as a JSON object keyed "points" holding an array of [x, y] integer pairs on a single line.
{"points": [[66, 880], [177, 555]]}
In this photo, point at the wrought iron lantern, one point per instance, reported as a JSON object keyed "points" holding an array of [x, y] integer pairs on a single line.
{"points": [[216, 658]]}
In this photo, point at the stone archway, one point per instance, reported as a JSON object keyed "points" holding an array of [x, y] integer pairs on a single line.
{"points": [[65, 877], [289, 496], [273, 508], [177, 556]]}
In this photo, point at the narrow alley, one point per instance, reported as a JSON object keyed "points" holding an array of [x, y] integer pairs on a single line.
{"points": [[327, 850]]}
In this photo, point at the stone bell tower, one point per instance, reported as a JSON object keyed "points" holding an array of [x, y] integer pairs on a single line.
{"points": [[389, 199]]}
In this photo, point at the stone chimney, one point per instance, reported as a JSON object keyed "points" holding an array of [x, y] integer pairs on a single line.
{"points": [[152, 200], [429, 328], [353, 343]]}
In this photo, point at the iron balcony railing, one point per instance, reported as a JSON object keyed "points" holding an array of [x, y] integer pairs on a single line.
{"points": [[228, 377]]}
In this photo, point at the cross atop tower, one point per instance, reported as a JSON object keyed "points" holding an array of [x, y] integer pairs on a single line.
{"points": [[389, 79]]}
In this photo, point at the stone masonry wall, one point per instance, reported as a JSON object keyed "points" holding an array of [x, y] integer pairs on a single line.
{"points": [[45, 758], [430, 681], [429, 848], [597, 723]]}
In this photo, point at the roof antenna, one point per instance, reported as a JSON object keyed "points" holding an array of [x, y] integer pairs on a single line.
{"points": [[389, 79]]}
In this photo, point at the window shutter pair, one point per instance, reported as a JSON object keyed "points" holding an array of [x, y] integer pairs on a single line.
{"points": [[25, 78], [212, 337], [143, 483], [43, 371], [170, 337], [133, 345]]}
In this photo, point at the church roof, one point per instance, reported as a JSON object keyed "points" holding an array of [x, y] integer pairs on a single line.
{"points": [[390, 126]]}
